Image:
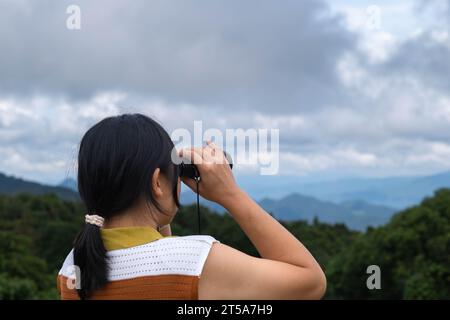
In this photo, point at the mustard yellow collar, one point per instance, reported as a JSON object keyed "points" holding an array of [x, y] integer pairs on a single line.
{"points": [[122, 238]]}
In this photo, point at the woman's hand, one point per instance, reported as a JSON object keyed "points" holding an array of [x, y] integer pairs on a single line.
{"points": [[216, 179]]}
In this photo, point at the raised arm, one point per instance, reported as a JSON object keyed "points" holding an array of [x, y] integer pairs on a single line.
{"points": [[286, 270]]}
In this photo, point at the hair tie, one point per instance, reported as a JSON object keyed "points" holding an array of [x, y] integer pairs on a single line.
{"points": [[95, 220]]}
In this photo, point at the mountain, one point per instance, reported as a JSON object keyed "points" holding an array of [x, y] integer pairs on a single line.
{"points": [[69, 183], [396, 192], [189, 197], [13, 185], [358, 202], [356, 214]]}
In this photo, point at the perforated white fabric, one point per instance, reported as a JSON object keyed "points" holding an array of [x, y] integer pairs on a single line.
{"points": [[177, 255]]}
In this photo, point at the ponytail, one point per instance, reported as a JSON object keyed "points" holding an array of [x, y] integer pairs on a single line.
{"points": [[116, 162], [90, 256]]}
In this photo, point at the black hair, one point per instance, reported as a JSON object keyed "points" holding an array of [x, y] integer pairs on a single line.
{"points": [[116, 162]]}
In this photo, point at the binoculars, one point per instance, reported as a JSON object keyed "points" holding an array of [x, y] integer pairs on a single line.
{"points": [[189, 170]]}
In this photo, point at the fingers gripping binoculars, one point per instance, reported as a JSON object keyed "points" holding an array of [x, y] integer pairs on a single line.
{"points": [[190, 170]]}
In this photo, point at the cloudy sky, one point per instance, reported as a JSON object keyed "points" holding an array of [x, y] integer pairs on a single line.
{"points": [[355, 87]]}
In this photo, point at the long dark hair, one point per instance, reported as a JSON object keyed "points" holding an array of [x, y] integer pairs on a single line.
{"points": [[116, 162]]}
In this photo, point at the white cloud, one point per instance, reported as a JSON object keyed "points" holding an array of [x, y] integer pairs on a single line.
{"points": [[336, 159], [39, 135]]}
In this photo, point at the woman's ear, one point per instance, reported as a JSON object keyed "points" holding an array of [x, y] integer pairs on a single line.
{"points": [[156, 183]]}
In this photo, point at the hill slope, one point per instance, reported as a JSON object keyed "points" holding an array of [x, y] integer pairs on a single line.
{"points": [[12, 185], [355, 214]]}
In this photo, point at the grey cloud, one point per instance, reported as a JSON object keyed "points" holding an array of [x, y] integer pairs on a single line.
{"points": [[240, 60], [422, 58], [234, 54]]}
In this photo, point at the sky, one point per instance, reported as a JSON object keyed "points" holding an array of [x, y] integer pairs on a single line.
{"points": [[356, 88]]}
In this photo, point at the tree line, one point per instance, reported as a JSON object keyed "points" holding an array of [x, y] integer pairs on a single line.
{"points": [[412, 250]]}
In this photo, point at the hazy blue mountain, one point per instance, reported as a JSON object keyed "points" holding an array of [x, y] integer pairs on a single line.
{"points": [[396, 192], [188, 197], [356, 214], [13, 185], [358, 202], [69, 183]]}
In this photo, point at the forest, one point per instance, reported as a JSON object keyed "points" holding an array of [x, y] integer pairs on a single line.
{"points": [[412, 249]]}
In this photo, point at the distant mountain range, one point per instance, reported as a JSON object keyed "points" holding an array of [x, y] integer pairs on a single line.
{"points": [[356, 202], [396, 192], [188, 197], [12, 185], [356, 214], [393, 192]]}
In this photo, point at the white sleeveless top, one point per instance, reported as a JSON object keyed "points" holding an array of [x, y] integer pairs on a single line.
{"points": [[161, 263]]}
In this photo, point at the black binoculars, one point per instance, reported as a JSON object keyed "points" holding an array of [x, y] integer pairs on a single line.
{"points": [[189, 170]]}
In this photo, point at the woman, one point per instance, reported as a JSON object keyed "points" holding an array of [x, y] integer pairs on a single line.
{"points": [[130, 187]]}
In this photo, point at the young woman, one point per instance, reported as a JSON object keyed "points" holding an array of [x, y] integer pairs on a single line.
{"points": [[130, 186]]}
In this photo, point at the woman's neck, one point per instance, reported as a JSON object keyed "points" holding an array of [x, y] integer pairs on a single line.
{"points": [[137, 216]]}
